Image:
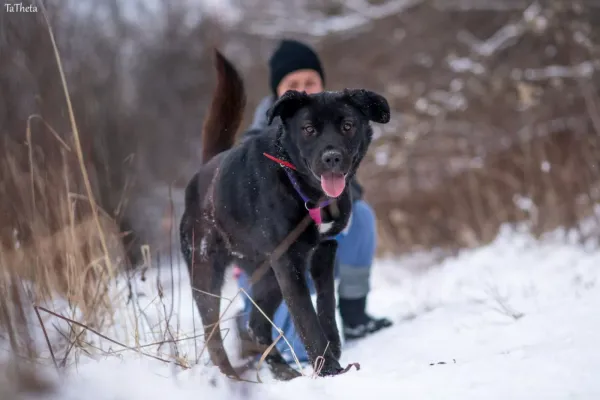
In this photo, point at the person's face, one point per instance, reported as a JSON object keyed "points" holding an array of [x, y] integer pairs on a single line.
{"points": [[306, 80]]}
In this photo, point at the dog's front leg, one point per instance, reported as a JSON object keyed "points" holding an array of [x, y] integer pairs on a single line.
{"points": [[290, 273], [321, 269]]}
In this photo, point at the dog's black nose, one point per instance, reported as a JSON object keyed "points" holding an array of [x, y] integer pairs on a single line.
{"points": [[331, 159]]}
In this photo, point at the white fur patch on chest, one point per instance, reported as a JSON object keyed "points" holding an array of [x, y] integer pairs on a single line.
{"points": [[325, 227]]}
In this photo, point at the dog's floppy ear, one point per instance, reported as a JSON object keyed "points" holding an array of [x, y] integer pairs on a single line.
{"points": [[287, 105], [373, 105]]}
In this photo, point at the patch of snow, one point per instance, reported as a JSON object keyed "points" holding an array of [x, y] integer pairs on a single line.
{"points": [[524, 203], [532, 12], [421, 104], [582, 70], [397, 89], [203, 247], [451, 101], [224, 10], [501, 39], [456, 85], [152, 13], [361, 13], [507, 34], [476, 162], [545, 166], [382, 156], [472, 5], [465, 64], [583, 40], [424, 60], [515, 317]]}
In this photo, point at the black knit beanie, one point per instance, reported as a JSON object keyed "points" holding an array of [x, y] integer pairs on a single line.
{"points": [[291, 56]]}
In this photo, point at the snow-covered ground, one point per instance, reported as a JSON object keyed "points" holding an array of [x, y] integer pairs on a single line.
{"points": [[517, 319]]}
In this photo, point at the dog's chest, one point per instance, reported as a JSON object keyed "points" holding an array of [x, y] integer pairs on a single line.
{"points": [[332, 226], [325, 227]]}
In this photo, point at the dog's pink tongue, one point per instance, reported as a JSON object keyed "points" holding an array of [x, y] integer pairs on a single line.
{"points": [[333, 184]]}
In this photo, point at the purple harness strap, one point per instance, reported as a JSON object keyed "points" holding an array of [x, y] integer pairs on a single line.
{"points": [[315, 213]]}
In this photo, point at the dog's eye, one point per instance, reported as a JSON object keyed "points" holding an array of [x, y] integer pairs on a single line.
{"points": [[309, 130], [347, 126]]}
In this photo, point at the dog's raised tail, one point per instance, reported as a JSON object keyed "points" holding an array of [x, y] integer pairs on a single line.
{"points": [[226, 110]]}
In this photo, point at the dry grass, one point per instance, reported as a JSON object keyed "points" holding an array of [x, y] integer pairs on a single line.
{"points": [[55, 243], [546, 182], [69, 263]]}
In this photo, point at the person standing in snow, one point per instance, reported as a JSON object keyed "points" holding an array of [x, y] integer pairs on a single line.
{"points": [[295, 66]]}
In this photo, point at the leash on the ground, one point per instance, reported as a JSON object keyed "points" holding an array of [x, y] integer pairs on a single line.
{"points": [[320, 361], [355, 365]]}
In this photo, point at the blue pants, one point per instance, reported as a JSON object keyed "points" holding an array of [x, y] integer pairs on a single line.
{"points": [[354, 258]]}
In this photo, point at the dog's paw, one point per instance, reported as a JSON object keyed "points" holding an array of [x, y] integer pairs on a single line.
{"points": [[330, 368], [283, 371], [335, 369]]}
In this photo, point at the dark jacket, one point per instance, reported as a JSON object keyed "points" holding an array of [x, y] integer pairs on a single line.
{"points": [[260, 122]]}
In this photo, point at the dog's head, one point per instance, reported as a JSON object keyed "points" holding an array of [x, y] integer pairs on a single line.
{"points": [[327, 134]]}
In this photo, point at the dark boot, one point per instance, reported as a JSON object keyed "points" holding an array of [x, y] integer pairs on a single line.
{"points": [[356, 322]]}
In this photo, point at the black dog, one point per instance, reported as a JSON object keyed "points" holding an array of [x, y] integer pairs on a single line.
{"points": [[246, 199]]}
